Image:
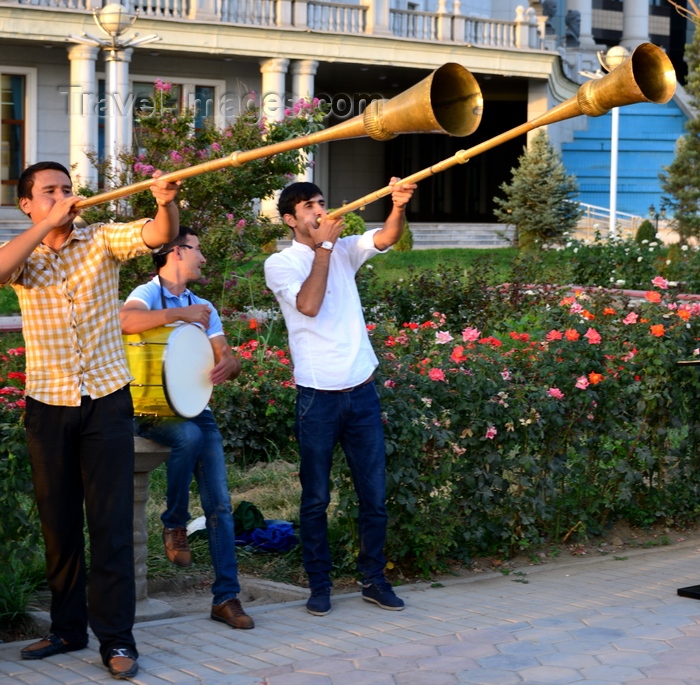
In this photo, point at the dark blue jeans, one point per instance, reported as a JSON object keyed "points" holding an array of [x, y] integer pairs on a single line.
{"points": [[353, 419], [86, 454], [196, 449]]}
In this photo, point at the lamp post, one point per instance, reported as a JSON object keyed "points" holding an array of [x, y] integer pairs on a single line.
{"points": [[610, 60], [114, 20]]}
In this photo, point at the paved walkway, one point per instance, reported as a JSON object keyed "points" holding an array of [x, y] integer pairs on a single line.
{"points": [[605, 620]]}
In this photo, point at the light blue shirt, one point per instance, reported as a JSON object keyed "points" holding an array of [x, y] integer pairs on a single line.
{"points": [[150, 295]]}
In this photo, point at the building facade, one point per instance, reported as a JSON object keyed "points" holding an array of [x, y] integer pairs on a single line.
{"points": [[65, 95]]}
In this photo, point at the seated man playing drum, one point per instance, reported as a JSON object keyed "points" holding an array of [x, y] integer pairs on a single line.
{"points": [[196, 443]]}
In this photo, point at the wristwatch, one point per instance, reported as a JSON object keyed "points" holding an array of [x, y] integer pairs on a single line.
{"points": [[326, 245]]}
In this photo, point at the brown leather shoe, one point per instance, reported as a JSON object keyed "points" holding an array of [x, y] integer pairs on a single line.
{"points": [[231, 612], [177, 548], [122, 663], [48, 646]]}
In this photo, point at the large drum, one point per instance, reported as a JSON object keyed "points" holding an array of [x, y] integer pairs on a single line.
{"points": [[171, 366]]}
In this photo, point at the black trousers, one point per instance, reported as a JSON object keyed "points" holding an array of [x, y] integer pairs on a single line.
{"points": [[86, 455]]}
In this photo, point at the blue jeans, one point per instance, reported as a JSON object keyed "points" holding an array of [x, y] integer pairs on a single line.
{"points": [[353, 419], [196, 448]]}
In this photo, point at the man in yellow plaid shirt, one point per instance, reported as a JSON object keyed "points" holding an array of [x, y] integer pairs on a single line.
{"points": [[79, 414]]}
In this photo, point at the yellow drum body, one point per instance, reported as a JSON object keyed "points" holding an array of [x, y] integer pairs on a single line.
{"points": [[171, 367]]}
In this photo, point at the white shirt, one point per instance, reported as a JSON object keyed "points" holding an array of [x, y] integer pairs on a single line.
{"points": [[330, 351]]}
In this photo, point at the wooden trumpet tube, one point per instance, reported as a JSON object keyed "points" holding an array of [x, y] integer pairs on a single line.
{"points": [[448, 101]]}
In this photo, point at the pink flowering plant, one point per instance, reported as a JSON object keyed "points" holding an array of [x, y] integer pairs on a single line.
{"points": [[219, 205]]}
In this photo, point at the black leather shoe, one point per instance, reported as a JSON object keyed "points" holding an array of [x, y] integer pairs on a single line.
{"points": [[48, 646], [122, 663]]}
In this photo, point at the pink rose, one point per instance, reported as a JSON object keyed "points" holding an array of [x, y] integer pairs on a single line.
{"points": [[436, 375], [593, 336], [470, 334]]}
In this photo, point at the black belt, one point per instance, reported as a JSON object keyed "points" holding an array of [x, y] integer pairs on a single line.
{"points": [[355, 387]]}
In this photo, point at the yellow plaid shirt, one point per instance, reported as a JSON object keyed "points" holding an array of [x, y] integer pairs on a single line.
{"points": [[70, 313]]}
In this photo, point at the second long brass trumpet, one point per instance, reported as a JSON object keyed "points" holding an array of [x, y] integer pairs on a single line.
{"points": [[647, 75], [447, 101]]}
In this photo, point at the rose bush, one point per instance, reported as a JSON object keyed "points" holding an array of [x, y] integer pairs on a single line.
{"points": [[562, 419], [523, 414]]}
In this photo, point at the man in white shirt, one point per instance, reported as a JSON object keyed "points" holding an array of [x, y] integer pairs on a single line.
{"points": [[337, 401]]}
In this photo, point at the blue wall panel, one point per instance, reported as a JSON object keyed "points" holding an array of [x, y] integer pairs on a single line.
{"points": [[647, 141]]}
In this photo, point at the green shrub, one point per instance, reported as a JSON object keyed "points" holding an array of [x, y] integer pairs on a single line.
{"points": [[19, 526], [405, 243], [354, 224], [645, 232], [256, 413], [19, 580]]}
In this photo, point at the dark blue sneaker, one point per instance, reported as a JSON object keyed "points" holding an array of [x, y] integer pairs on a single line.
{"points": [[382, 594], [319, 603]]}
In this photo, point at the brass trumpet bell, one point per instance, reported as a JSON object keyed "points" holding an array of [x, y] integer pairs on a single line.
{"points": [[647, 75], [448, 101]]}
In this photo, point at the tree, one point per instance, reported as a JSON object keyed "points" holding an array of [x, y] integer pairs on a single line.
{"points": [[541, 198], [680, 180], [220, 205]]}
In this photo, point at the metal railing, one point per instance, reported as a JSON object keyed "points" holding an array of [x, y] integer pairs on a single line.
{"points": [[597, 220]]}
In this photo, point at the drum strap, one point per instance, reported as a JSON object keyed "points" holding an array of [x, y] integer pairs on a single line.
{"points": [[163, 303]]}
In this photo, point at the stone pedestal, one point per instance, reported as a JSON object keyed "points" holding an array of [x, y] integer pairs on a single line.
{"points": [[148, 455]]}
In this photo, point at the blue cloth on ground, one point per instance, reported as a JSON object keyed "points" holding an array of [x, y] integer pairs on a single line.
{"points": [[278, 536]]}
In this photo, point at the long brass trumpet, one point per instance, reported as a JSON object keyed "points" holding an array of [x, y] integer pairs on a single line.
{"points": [[647, 75], [447, 101]]}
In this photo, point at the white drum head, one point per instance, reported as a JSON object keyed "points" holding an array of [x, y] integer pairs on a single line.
{"points": [[187, 363]]}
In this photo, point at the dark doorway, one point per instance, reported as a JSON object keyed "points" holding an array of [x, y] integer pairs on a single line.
{"points": [[465, 192]]}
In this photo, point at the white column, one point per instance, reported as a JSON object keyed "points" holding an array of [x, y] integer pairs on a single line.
{"points": [[82, 112], [378, 17], [120, 103], [273, 89], [303, 77], [635, 23], [584, 8], [273, 73]]}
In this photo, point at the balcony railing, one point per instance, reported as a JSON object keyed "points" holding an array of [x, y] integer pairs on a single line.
{"points": [[498, 34], [335, 17], [415, 25], [159, 9], [251, 12]]}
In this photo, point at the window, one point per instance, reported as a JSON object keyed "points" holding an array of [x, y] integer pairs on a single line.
{"points": [[13, 89]]}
